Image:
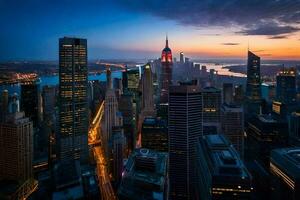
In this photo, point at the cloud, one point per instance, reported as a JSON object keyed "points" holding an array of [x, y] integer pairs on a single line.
{"points": [[230, 44], [278, 37], [273, 29], [252, 17]]}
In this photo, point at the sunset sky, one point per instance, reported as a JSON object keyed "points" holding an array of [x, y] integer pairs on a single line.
{"points": [[136, 28]]}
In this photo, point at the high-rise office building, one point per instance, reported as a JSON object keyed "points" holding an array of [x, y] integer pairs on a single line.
{"points": [[211, 110], [265, 133], [286, 86], [285, 169], [155, 134], [268, 91], [238, 96], [4, 104], [232, 119], [185, 127], [294, 128], [14, 104], [147, 92], [133, 79], [49, 102], [145, 176], [118, 147], [228, 93], [126, 108], [253, 88], [73, 102], [16, 144], [166, 72], [30, 101], [181, 57], [220, 170], [110, 109], [16, 154]]}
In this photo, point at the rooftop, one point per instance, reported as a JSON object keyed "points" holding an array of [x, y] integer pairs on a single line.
{"points": [[144, 175], [288, 160], [224, 158]]}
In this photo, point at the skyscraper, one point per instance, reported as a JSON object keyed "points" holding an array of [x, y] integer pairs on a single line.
{"points": [[118, 147], [110, 109], [16, 154], [145, 176], [166, 72], [30, 100], [285, 170], [181, 58], [147, 92], [220, 170], [286, 86], [228, 93], [73, 101], [294, 128], [155, 134], [185, 127], [4, 104], [232, 119], [211, 110], [253, 88], [16, 147]]}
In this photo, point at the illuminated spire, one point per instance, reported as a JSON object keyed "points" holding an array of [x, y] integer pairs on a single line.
{"points": [[167, 41]]}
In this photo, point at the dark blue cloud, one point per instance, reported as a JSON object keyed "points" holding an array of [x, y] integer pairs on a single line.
{"points": [[251, 16]]}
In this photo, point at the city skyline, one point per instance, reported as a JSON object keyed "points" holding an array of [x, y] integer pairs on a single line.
{"points": [[121, 29]]}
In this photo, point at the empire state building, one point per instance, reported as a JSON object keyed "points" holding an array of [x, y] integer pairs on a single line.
{"points": [[166, 72]]}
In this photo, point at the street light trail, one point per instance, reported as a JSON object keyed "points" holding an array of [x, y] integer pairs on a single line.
{"points": [[106, 189]]}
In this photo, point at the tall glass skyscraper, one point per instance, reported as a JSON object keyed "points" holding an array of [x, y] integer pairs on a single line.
{"points": [[185, 127], [73, 103], [253, 90]]}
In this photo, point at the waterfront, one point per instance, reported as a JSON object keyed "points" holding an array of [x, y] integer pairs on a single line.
{"points": [[53, 81]]}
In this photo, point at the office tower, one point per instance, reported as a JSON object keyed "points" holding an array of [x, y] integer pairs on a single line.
{"points": [[166, 73], [294, 128], [265, 133], [155, 134], [286, 86], [126, 108], [14, 104], [185, 127], [73, 101], [133, 79], [238, 96], [118, 147], [4, 105], [110, 109], [186, 60], [181, 57], [147, 92], [125, 80], [30, 101], [268, 91], [253, 88], [220, 170], [16, 147], [228, 93], [232, 119], [145, 176], [211, 110], [16, 152], [49, 103], [285, 170]]}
